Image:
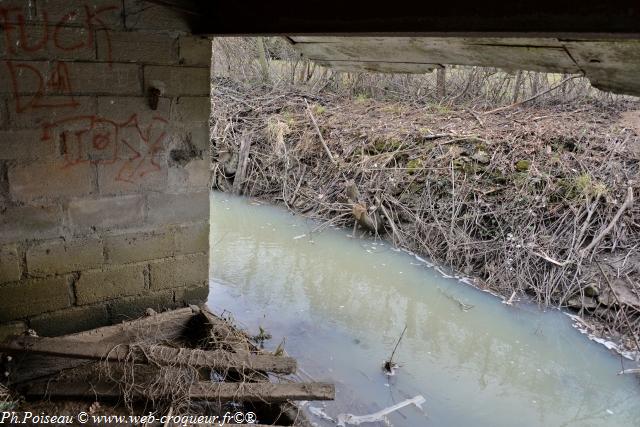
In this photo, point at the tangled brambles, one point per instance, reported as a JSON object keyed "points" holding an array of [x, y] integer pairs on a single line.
{"points": [[525, 200]]}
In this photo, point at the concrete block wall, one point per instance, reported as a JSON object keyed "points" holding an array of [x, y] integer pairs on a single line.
{"points": [[104, 187]]}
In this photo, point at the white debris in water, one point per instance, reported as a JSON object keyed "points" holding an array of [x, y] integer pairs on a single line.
{"points": [[318, 412], [609, 411], [355, 420], [442, 273], [299, 237], [583, 327]]}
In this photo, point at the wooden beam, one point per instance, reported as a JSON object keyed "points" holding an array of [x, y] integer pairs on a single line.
{"points": [[169, 325], [162, 355], [246, 392]]}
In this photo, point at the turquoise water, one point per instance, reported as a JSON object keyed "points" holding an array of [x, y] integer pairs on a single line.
{"points": [[341, 303]]}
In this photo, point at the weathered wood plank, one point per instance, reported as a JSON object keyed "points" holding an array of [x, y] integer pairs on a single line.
{"points": [[522, 54], [508, 41], [246, 392], [162, 355], [611, 66], [162, 326], [380, 67]]}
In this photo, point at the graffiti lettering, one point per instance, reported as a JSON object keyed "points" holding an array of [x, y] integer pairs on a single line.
{"points": [[18, 34], [132, 147], [58, 83], [99, 140]]}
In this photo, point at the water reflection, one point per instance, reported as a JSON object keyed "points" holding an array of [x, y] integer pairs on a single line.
{"points": [[342, 303]]}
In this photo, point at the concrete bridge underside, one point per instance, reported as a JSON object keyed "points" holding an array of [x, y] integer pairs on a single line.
{"points": [[104, 137]]}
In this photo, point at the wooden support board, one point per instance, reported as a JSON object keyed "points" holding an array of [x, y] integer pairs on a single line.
{"points": [[162, 355], [226, 391]]}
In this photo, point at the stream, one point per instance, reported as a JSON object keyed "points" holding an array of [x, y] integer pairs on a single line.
{"points": [[341, 303]]}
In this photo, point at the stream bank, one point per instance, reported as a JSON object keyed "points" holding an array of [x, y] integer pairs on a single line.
{"points": [[338, 305], [533, 203]]}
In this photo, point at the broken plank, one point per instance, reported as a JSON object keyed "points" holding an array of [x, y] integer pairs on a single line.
{"points": [[246, 392], [224, 335], [169, 325], [162, 355]]}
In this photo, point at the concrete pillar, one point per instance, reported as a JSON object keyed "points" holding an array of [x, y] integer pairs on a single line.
{"points": [[104, 162]]}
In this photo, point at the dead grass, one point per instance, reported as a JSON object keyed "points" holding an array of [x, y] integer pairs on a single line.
{"points": [[525, 200]]}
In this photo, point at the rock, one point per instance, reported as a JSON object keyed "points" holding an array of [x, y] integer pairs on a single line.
{"points": [[481, 156], [623, 294], [592, 290], [523, 165], [585, 302], [414, 165]]}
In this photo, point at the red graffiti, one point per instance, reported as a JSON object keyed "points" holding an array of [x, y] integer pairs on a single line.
{"points": [[18, 34], [99, 140], [58, 83], [131, 147]]}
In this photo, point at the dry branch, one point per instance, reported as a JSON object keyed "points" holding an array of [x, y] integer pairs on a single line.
{"points": [[628, 201], [531, 98], [507, 200], [158, 354], [322, 141]]}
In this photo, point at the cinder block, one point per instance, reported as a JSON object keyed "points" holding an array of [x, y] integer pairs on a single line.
{"points": [[188, 271], [115, 178], [26, 144], [101, 13], [4, 113], [166, 208], [19, 11], [197, 295], [138, 46], [5, 197], [194, 176], [109, 283], [50, 179], [199, 137], [58, 256], [192, 238], [106, 213], [133, 307], [106, 78], [141, 15], [121, 109], [30, 222], [187, 109], [195, 51], [134, 247], [70, 320], [33, 296], [23, 77], [11, 329], [24, 113], [10, 270], [178, 81], [49, 42]]}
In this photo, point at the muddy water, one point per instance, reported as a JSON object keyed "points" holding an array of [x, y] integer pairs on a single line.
{"points": [[341, 304]]}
